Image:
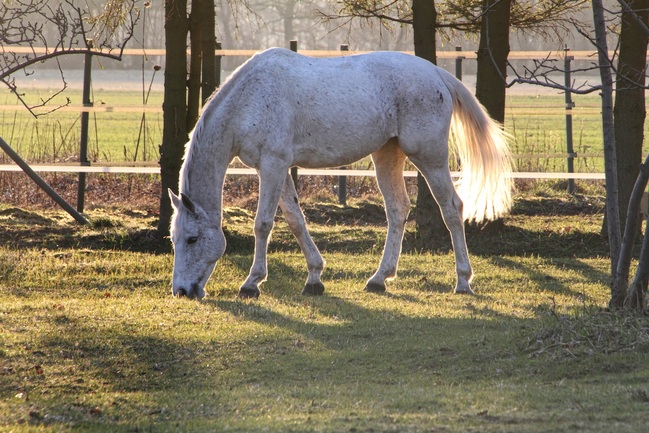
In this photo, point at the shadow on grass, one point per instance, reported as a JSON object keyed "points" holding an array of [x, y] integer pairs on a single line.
{"points": [[118, 376], [377, 362], [286, 278], [24, 229], [344, 229], [552, 284]]}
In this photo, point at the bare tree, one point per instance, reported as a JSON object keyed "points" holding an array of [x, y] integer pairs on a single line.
{"points": [[492, 18], [185, 89], [610, 162], [460, 15], [622, 126], [35, 31]]}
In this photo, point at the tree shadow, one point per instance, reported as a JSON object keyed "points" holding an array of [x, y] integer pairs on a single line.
{"points": [[551, 283], [20, 229]]}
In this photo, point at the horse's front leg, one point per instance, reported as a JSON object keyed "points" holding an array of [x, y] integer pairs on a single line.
{"points": [[271, 181], [295, 219]]}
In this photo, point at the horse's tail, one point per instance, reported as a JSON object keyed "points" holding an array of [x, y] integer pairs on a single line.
{"points": [[485, 183]]}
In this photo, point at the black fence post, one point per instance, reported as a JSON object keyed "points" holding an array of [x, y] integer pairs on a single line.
{"points": [[293, 47], [569, 106], [83, 142], [458, 63]]}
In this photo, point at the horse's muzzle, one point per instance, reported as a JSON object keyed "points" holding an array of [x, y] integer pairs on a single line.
{"points": [[191, 293]]}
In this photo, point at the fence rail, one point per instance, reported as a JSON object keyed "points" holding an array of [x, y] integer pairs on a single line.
{"points": [[513, 55], [151, 169]]}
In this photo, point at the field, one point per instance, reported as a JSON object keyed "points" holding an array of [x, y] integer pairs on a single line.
{"points": [[91, 339], [536, 122]]}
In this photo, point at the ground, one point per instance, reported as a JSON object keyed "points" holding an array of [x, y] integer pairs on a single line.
{"points": [[91, 339]]}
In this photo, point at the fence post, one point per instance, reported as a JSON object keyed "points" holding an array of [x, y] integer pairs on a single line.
{"points": [[83, 143], [458, 63], [217, 66], [569, 106], [342, 180], [41, 183], [293, 46]]}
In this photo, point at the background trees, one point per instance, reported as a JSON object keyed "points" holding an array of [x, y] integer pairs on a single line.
{"points": [[62, 29], [491, 19]]}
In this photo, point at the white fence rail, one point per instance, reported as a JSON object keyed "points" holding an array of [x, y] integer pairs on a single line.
{"points": [[113, 169]]}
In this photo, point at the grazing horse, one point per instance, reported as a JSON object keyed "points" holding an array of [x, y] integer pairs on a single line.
{"points": [[281, 110]]}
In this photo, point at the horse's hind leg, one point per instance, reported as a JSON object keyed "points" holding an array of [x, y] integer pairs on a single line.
{"points": [[295, 219], [441, 185], [388, 162]]}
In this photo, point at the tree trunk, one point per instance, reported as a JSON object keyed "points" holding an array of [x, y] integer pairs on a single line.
{"points": [[493, 51], [174, 134], [195, 63], [492, 57], [629, 110], [208, 75], [639, 286], [428, 218], [424, 22], [618, 288]]}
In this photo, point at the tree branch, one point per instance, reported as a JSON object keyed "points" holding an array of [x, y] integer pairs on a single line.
{"points": [[23, 24]]}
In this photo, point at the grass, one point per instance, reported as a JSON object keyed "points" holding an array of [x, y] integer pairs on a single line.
{"points": [[537, 124], [113, 136], [91, 340]]}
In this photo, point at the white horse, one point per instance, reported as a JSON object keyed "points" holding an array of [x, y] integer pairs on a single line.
{"points": [[281, 109]]}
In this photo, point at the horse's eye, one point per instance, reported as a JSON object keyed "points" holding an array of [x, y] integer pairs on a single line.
{"points": [[192, 240]]}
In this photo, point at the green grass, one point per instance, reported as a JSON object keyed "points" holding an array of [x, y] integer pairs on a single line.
{"points": [[91, 340], [113, 136], [537, 124]]}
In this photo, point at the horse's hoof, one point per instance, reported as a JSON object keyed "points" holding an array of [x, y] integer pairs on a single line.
{"points": [[248, 293], [463, 290], [316, 289], [375, 288]]}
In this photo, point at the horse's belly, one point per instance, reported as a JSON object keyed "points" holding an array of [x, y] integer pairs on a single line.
{"points": [[340, 143], [334, 154], [328, 158]]}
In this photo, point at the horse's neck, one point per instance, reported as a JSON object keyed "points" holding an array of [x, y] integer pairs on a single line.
{"points": [[205, 177]]}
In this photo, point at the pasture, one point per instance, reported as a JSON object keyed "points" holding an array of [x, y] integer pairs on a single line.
{"points": [[91, 340], [536, 121]]}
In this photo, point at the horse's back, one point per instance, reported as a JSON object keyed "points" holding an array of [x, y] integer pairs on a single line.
{"points": [[337, 110]]}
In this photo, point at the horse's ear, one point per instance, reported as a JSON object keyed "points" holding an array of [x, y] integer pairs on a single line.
{"points": [[175, 200], [188, 203]]}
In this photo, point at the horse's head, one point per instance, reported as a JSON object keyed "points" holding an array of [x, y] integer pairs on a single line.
{"points": [[198, 243]]}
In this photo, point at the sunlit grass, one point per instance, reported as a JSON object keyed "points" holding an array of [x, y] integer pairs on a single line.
{"points": [[112, 136], [537, 123], [91, 340]]}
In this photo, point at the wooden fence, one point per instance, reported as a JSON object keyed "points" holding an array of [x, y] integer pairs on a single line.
{"points": [[153, 168]]}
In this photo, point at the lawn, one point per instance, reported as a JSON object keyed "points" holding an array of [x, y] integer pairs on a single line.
{"points": [[91, 339], [536, 122]]}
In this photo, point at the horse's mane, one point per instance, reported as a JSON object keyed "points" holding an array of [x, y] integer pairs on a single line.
{"points": [[196, 134]]}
